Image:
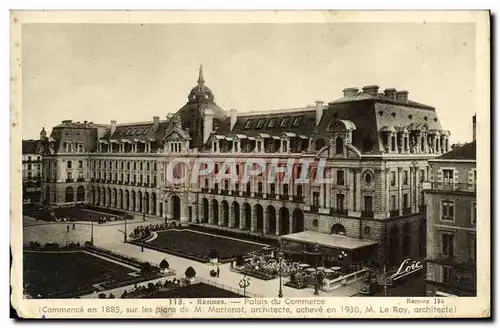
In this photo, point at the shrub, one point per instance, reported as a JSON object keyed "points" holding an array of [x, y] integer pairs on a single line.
{"points": [[190, 272], [164, 264]]}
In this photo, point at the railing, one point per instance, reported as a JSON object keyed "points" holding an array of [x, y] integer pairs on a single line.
{"points": [[449, 186], [229, 288], [338, 211], [367, 214], [394, 213]]}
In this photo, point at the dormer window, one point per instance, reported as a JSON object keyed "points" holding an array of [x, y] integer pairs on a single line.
{"points": [[272, 123], [296, 121], [248, 124], [284, 122], [260, 124]]}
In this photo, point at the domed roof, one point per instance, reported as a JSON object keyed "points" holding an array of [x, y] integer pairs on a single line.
{"points": [[201, 90]]}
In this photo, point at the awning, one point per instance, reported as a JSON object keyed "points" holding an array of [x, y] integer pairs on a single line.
{"points": [[330, 241]]}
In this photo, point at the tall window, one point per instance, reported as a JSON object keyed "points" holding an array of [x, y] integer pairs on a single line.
{"points": [[448, 176], [473, 213], [340, 177], [316, 198], [340, 202], [448, 212], [393, 178], [447, 245]]}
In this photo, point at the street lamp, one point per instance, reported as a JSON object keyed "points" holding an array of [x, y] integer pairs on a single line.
{"points": [[316, 252], [244, 283], [280, 261]]}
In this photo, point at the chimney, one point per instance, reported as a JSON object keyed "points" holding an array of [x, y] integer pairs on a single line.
{"points": [[319, 110], [234, 117], [474, 127], [156, 120], [208, 123], [113, 126], [402, 96], [348, 92], [371, 90], [390, 93]]}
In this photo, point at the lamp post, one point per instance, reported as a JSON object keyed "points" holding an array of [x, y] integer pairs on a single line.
{"points": [[280, 261], [92, 231], [316, 252], [244, 283]]}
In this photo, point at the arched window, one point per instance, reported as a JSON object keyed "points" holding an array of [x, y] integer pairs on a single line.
{"points": [[80, 194], [69, 195], [339, 146]]}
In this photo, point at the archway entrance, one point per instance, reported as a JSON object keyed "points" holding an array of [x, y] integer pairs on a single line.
{"points": [[176, 207], [271, 219], [259, 212], [298, 221], [284, 221], [248, 215], [215, 211], [68, 198], [236, 214], [338, 229], [204, 218], [225, 213]]}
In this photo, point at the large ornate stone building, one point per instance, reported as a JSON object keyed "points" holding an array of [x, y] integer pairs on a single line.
{"points": [[375, 146]]}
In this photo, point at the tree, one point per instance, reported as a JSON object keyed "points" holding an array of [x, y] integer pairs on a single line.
{"points": [[190, 273], [164, 264]]}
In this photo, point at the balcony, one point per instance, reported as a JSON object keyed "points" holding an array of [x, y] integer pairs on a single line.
{"points": [[394, 213], [298, 199], [449, 186], [367, 214], [314, 208], [407, 211], [340, 211]]}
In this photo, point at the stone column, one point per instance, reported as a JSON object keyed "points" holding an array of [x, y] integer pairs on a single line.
{"points": [[400, 190], [253, 228], [358, 190], [210, 213], [265, 226], [242, 218]]}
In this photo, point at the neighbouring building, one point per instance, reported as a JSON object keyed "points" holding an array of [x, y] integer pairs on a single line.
{"points": [[451, 223], [376, 146], [31, 171]]}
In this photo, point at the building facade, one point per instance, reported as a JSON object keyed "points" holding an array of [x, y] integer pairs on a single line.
{"points": [[451, 223], [31, 171], [375, 149]]}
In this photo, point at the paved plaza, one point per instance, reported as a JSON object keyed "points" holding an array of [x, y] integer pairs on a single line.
{"points": [[110, 236]]}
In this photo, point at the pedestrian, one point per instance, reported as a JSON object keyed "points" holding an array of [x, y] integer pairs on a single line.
{"points": [[67, 228], [218, 272]]}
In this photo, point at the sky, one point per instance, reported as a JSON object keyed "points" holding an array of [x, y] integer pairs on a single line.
{"points": [[132, 72]]}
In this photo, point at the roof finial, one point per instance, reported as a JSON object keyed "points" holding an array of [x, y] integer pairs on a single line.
{"points": [[200, 77]]}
